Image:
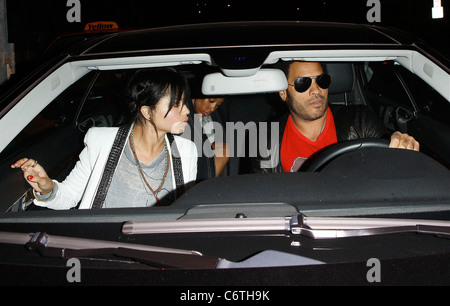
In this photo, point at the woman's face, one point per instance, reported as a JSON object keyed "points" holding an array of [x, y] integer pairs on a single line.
{"points": [[175, 121], [207, 106]]}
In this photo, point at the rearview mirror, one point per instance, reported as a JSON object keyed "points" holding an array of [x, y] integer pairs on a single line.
{"points": [[264, 80]]}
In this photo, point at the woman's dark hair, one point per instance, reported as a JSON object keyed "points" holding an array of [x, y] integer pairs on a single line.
{"points": [[147, 87]]}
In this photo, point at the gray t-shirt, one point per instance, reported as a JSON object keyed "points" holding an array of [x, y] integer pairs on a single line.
{"points": [[128, 189]]}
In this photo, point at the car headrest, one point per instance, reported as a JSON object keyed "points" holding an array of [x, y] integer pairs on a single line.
{"points": [[341, 77]]}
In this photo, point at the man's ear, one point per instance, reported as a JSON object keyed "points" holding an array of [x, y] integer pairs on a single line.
{"points": [[283, 95]]}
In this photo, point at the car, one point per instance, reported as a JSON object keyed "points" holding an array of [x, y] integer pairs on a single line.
{"points": [[363, 214]]}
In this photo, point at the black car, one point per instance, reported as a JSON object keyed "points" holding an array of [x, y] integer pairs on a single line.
{"points": [[366, 214]]}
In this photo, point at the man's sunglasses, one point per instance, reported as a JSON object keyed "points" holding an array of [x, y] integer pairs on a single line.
{"points": [[302, 84]]}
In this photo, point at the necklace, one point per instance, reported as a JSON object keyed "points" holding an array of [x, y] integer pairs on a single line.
{"points": [[323, 124], [133, 149]]}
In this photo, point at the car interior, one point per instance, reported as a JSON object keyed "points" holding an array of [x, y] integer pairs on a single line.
{"points": [[97, 92]]}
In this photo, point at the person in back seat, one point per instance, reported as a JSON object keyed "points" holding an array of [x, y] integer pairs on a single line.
{"points": [[312, 124], [213, 154]]}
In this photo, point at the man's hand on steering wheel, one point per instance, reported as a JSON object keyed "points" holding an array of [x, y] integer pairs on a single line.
{"points": [[403, 141]]}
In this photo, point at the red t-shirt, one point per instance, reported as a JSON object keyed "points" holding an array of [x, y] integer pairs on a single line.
{"points": [[296, 148]]}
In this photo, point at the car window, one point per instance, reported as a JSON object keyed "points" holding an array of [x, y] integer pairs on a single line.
{"points": [[51, 137], [408, 104], [428, 100], [385, 84], [55, 136], [105, 101], [61, 111], [99, 99]]}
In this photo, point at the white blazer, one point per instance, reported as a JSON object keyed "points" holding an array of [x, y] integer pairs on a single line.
{"points": [[84, 179]]}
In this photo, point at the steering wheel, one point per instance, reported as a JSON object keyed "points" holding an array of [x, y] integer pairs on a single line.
{"points": [[342, 148]]}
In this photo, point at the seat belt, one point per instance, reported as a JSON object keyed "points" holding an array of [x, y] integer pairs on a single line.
{"points": [[177, 167]]}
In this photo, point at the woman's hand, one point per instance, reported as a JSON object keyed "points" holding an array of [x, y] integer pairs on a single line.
{"points": [[221, 156], [35, 175]]}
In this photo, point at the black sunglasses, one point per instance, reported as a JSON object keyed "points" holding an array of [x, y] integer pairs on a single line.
{"points": [[302, 84]]}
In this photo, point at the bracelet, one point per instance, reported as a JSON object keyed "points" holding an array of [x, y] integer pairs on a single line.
{"points": [[46, 197]]}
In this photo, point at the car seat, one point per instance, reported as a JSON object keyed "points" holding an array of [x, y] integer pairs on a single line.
{"points": [[341, 90]]}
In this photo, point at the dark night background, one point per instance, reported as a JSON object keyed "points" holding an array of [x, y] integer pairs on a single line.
{"points": [[32, 25]]}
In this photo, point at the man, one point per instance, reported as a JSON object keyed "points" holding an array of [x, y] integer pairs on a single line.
{"points": [[311, 125]]}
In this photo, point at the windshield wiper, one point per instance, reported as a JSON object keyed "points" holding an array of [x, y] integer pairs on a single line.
{"points": [[335, 227], [313, 227], [70, 247]]}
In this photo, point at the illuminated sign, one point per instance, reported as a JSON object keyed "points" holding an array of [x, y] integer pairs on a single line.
{"points": [[101, 26], [437, 11]]}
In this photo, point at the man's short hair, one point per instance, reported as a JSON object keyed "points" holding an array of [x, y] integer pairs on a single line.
{"points": [[285, 66]]}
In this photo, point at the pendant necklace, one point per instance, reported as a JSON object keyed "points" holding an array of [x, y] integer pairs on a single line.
{"points": [[133, 149], [323, 124]]}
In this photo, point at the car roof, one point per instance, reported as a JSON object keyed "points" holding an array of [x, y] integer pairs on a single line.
{"points": [[246, 34], [227, 42], [91, 29]]}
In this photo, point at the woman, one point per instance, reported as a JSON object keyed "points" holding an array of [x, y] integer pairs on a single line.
{"points": [[202, 109], [136, 165]]}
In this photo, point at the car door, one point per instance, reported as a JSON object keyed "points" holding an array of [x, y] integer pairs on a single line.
{"points": [[408, 104], [429, 124], [55, 137]]}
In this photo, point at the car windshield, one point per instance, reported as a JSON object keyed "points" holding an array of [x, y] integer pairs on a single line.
{"points": [[55, 136]]}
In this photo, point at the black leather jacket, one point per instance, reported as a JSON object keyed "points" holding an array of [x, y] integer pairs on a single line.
{"points": [[351, 122]]}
